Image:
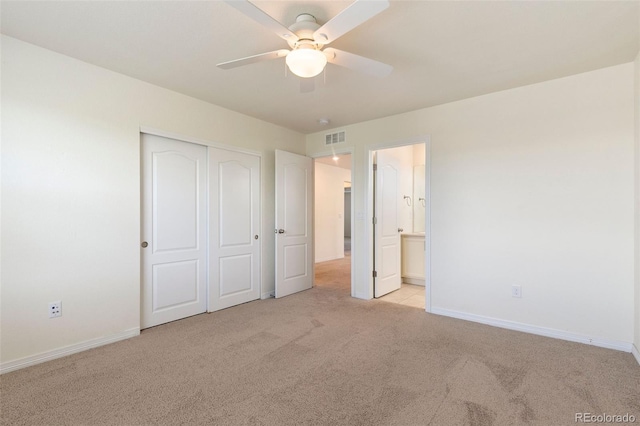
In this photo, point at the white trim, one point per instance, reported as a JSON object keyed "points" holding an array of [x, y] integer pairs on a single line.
{"points": [[636, 352], [427, 225], [67, 350], [184, 138], [369, 149], [413, 281], [354, 250], [398, 143], [327, 259], [540, 331]]}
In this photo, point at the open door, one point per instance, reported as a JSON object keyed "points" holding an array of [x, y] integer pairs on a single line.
{"points": [[294, 195], [387, 234]]}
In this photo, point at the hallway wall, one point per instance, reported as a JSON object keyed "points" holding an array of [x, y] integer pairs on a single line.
{"points": [[329, 211]]}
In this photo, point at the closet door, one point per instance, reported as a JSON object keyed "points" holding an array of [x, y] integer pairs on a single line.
{"points": [[235, 239], [174, 229]]}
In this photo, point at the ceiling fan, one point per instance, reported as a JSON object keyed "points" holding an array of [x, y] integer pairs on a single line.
{"points": [[307, 39]]}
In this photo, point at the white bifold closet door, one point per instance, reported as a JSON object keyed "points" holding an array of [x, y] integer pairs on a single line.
{"points": [[174, 230], [201, 240], [234, 228]]}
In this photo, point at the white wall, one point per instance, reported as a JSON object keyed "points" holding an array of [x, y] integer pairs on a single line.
{"points": [[71, 193], [637, 235], [531, 186], [329, 211]]}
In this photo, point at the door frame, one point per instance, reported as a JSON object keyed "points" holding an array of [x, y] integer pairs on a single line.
{"points": [[369, 150], [208, 144], [354, 247]]}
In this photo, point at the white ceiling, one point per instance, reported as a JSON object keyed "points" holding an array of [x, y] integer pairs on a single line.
{"points": [[441, 51]]}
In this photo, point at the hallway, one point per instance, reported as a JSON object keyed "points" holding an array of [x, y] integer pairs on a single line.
{"points": [[334, 274]]}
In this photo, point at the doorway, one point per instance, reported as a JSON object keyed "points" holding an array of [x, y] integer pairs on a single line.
{"points": [[332, 222], [399, 236]]}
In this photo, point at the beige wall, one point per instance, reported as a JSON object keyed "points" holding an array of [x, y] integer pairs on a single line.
{"points": [[533, 187], [329, 211], [71, 193]]}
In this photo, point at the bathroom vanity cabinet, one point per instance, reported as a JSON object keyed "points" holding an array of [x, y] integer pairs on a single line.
{"points": [[413, 258]]}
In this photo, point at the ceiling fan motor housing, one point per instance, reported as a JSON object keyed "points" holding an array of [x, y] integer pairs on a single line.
{"points": [[304, 27]]}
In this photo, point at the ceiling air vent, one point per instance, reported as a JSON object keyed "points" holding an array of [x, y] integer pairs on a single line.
{"points": [[337, 137]]}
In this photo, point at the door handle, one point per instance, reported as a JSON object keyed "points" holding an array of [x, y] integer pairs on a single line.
{"points": [[144, 244], [400, 229], [280, 231]]}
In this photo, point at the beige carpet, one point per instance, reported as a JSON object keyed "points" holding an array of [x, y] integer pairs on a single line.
{"points": [[322, 358], [334, 274]]}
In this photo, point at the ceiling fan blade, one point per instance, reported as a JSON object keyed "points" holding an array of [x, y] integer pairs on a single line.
{"points": [[354, 15], [253, 59], [258, 15], [357, 63]]}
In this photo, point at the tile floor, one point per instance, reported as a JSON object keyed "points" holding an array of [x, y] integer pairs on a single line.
{"points": [[408, 295]]}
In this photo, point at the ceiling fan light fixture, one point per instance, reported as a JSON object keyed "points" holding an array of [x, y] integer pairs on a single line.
{"points": [[306, 61]]}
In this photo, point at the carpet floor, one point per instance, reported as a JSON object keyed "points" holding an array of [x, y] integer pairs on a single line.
{"points": [[334, 274], [321, 357]]}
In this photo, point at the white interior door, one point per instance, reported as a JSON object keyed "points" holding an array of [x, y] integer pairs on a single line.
{"points": [[174, 229], [235, 228], [387, 235], [294, 195]]}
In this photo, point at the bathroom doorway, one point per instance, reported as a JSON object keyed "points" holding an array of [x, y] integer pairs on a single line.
{"points": [[399, 243], [332, 222]]}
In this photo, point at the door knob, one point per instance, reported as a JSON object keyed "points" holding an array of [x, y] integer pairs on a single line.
{"points": [[144, 244], [255, 236], [280, 231], [400, 229]]}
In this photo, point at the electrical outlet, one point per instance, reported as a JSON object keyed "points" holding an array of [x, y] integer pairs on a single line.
{"points": [[55, 309], [516, 291]]}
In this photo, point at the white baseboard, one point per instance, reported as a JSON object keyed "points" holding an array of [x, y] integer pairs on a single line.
{"points": [[413, 281], [326, 259], [6, 367], [636, 352], [541, 331]]}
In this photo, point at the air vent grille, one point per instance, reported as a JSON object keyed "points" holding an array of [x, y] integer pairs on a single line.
{"points": [[337, 137]]}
